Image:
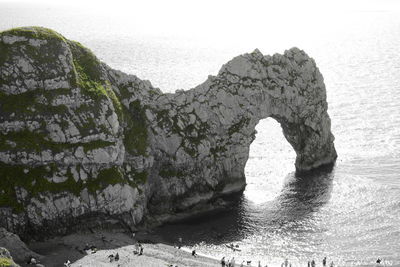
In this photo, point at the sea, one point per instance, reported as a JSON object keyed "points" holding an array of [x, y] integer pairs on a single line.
{"points": [[351, 214]]}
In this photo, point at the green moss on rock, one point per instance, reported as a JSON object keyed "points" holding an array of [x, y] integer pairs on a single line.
{"points": [[167, 170], [4, 54], [6, 262], [34, 32], [237, 126], [37, 180], [135, 140], [33, 179], [89, 76], [105, 177], [38, 141]]}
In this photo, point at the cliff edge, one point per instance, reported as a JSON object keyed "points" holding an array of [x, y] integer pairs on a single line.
{"points": [[81, 142]]}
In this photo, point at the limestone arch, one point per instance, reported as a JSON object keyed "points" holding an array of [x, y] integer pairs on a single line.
{"points": [[288, 88]]}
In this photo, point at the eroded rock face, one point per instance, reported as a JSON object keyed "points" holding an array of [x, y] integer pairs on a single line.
{"points": [[79, 139]]}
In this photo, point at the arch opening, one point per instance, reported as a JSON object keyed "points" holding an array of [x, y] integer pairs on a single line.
{"points": [[271, 158]]}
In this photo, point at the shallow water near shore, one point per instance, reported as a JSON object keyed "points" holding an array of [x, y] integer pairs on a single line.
{"points": [[351, 214]]}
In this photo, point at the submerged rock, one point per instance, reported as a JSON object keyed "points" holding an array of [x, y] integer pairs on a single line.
{"points": [[81, 142]]}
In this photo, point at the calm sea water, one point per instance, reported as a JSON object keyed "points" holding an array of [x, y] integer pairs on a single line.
{"points": [[352, 214]]}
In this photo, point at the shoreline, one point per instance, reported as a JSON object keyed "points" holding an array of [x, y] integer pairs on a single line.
{"points": [[156, 253]]}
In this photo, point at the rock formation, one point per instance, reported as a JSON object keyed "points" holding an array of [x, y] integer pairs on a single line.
{"points": [[79, 140]]}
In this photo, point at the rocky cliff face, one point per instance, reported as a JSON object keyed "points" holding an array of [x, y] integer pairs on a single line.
{"points": [[79, 140]]}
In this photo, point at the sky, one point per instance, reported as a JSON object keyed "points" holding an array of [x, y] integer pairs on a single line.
{"points": [[217, 23], [228, 16]]}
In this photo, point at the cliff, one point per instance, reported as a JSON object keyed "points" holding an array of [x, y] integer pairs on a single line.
{"points": [[81, 142]]}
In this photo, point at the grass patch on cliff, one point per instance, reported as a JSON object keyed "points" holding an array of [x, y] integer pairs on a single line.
{"points": [[234, 128], [89, 75], [168, 171], [34, 32], [4, 53], [105, 177], [37, 142], [35, 181], [135, 140], [6, 262], [137, 178], [26, 103]]}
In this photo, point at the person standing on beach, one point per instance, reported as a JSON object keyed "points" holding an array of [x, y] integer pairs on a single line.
{"points": [[233, 262], [286, 263], [141, 249], [324, 262], [312, 263], [179, 242], [223, 262]]}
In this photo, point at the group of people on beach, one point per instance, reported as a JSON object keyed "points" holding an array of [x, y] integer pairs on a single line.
{"points": [[285, 263], [312, 263], [232, 262], [113, 258]]}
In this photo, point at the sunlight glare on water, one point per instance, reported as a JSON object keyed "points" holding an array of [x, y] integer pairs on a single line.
{"points": [[271, 157]]}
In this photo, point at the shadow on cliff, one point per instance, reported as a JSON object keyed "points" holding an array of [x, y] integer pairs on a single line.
{"points": [[301, 196]]}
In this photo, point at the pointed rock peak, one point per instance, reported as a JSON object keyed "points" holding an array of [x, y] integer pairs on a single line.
{"points": [[257, 53]]}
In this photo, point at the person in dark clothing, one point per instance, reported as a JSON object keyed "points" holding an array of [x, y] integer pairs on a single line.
{"points": [[179, 242], [324, 262], [194, 253], [223, 261], [116, 258]]}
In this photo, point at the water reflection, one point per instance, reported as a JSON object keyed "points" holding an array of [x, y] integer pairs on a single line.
{"points": [[301, 196]]}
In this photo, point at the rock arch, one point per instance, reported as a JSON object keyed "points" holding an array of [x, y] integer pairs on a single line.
{"points": [[81, 140], [212, 126]]}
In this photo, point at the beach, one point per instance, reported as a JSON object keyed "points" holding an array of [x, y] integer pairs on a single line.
{"points": [[58, 250]]}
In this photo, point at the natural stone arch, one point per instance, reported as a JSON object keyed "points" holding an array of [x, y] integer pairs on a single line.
{"points": [[290, 89], [208, 130], [79, 139]]}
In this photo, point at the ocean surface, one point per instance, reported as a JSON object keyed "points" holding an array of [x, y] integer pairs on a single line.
{"points": [[351, 215]]}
